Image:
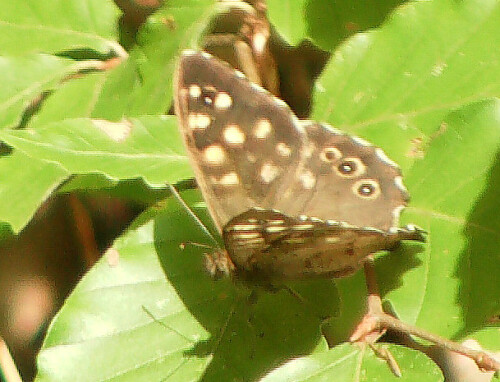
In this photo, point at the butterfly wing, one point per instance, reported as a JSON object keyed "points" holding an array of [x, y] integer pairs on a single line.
{"points": [[249, 150], [268, 245], [348, 179], [244, 144]]}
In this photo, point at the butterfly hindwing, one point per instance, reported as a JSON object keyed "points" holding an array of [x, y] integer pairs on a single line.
{"points": [[350, 180], [266, 244]]}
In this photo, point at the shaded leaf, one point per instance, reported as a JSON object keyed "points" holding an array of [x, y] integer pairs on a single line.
{"points": [[124, 320], [25, 183], [351, 363]]}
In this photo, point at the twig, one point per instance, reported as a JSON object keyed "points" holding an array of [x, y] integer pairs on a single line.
{"points": [[7, 365]]}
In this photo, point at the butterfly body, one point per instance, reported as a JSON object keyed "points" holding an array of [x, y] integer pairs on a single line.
{"points": [[292, 199]]}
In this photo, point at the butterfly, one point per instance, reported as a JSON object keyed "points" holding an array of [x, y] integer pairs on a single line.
{"points": [[292, 199]]}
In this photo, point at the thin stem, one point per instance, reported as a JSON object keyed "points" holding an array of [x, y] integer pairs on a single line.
{"points": [[376, 322], [7, 364], [482, 359]]}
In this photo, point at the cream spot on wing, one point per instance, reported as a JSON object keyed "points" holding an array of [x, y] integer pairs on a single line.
{"points": [[280, 102], [214, 155], [223, 101], [239, 74], [275, 222], [262, 128], [206, 55], [198, 121], [188, 52], [307, 179], [398, 181], [283, 149], [251, 243], [245, 227], [268, 172], [302, 227], [194, 91], [247, 235], [229, 179], [308, 149], [361, 141], [274, 229], [257, 87], [233, 135], [384, 158], [332, 239], [395, 214]]}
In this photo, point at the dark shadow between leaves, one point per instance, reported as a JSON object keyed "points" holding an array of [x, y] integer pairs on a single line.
{"points": [[479, 264], [247, 338]]}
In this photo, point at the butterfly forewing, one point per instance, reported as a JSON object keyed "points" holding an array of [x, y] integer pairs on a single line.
{"points": [[242, 143]]}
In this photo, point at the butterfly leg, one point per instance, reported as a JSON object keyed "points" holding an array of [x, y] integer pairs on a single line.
{"points": [[376, 322]]}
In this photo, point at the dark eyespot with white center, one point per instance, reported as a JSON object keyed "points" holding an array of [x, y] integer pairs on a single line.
{"points": [[366, 189], [350, 168], [330, 154], [208, 94]]}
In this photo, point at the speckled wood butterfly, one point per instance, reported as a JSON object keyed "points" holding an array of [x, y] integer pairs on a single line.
{"points": [[293, 199]]}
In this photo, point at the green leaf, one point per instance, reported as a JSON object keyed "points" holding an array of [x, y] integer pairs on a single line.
{"points": [[351, 363], [143, 85], [73, 99], [455, 200], [125, 321], [149, 147], [415, 87], [328, 23], [58, 25], [24, 78], [25, 183], [396, 84], [288, 17]]}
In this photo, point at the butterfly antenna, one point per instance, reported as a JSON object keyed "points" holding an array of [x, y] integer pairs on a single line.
{"points": [[198, 245], [176, 194]]}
